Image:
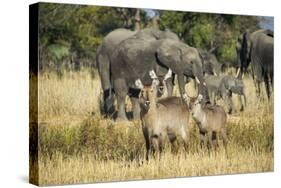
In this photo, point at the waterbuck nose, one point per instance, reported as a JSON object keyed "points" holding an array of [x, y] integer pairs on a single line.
{"points": [[161, 88], [147, 103]]}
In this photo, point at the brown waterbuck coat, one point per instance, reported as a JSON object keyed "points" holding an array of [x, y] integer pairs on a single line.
{"points": [[211, 120], [162, 117]]}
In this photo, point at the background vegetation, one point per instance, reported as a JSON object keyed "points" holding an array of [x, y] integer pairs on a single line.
{"points": [[70, 34]]}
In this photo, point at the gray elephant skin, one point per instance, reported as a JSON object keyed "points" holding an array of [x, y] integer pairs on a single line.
{"points": [[104, 51], [224, 86], [211, 66], [257, 49]]}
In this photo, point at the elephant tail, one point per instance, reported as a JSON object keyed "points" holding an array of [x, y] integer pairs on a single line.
{"points": [[103, 64]]}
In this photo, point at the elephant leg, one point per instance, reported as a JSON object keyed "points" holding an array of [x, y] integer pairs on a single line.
{"points": [[271, 81], [104, 73], [267, 86], [121, 92], [108, 105], [195, 84], [241, 103], [170, 86], [134, 96], [135, 108], [228, 100], [257, 76], [182, 86], [258, 89], [245, 98], [213, 97]]}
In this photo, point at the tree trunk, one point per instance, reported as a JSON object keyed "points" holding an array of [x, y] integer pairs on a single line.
{"points": [[155, 22], [137, 20]]}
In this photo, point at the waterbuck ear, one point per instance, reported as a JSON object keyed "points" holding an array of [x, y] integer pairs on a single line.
{"points": [[168, 75], [138, 83], [155, 82], [152, 74]]}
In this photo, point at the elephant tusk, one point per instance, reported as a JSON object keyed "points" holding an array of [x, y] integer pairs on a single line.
{"points": [[238, 71], [215, 74], [197, 80], [168, 75]]}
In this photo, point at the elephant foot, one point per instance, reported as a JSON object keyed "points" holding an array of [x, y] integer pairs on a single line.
{"points": [[242, 109], [231, 112], [121, 119], [136, 117]]}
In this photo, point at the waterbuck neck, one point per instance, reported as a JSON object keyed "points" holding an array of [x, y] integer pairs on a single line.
{"points": [[153, 104], [199, 114]]}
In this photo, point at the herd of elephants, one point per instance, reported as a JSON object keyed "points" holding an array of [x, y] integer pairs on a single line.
{"points": [[126, 56], [143, 65]]}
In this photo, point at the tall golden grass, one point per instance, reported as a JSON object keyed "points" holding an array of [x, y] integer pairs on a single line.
{"points": [[78, 145]]}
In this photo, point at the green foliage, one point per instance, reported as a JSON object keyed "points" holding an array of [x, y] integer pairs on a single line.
{"points": [[207, 31], [203, 34], [72, 33]]}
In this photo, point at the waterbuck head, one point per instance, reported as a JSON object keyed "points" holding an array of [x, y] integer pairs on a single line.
{"points": [[150, 94], [195, 105]]}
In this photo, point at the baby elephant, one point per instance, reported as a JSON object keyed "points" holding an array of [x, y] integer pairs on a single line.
{"points": [[211, 120], [160, 118], [222, 87]]}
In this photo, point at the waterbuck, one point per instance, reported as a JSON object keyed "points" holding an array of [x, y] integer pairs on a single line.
{"points": [[162, 117], [211, 120]]}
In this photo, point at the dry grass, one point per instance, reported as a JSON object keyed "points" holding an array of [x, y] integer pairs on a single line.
{"points": [[78, 147], [74, 95]]}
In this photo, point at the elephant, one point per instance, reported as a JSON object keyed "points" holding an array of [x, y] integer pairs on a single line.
{"points": [[103, 53], [223, 86], [184, 61], [133, 59], [211, 66], [257, 48]]}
